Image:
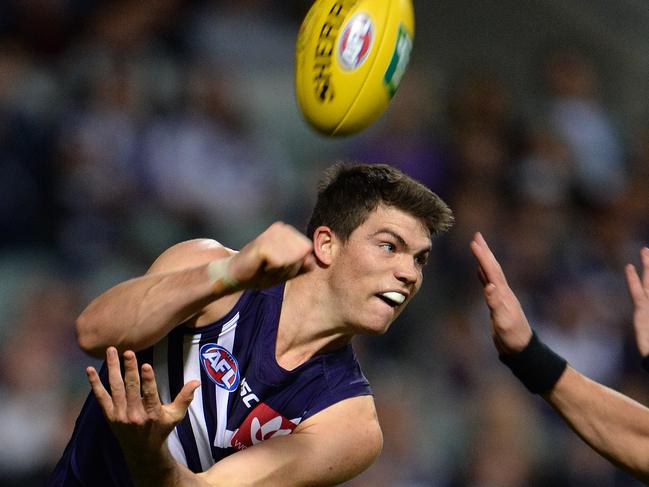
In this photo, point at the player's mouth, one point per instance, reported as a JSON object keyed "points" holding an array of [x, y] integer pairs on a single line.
{"points": [[392, 298]]}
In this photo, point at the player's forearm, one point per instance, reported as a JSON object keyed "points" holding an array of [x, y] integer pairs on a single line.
{"points": [[137, 313], [613, 424]]}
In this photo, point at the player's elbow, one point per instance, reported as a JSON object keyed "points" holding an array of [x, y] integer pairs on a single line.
{"points": [[363, 458], [88, 337], [374, 444]]}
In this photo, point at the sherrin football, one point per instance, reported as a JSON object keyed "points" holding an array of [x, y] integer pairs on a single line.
{"points": [[349, 59]]}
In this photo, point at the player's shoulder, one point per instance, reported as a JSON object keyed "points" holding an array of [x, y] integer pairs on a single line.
{"points": [[190, 253]]}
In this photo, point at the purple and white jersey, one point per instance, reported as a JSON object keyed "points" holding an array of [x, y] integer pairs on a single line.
{"points": [[245, 397]]}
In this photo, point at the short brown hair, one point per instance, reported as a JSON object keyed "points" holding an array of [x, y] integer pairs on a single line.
{"points": [[349, 192]]}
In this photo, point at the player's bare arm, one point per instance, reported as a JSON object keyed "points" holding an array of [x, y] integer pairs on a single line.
{"points": [[334, 445], [190, 279], [329, 448], [611, 423]]}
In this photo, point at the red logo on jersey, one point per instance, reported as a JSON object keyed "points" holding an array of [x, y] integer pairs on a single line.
{"points": [[261, 424], [220, 366]]}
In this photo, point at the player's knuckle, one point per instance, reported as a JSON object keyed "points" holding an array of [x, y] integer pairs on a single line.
{"points": [[135, 418], [120, 418], [153, 415], [276, 227], [503, 328]]}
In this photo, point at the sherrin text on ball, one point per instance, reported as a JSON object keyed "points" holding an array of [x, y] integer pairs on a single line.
{"points": [[350, 57]]}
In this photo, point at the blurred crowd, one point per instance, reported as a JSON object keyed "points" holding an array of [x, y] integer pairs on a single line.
{"points": [[127, 126]]}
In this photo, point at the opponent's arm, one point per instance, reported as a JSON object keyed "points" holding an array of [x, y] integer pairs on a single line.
{"points": [[183, 282], [332, 446], [611, 423]]}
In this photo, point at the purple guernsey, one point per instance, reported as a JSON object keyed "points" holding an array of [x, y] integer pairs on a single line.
{"points": [[245, 396]]}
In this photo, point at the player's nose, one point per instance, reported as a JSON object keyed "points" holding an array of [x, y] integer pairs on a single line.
{"points": [[407, 271]]}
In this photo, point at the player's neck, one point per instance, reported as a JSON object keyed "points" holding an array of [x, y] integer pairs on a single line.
{"points": [[306, 325]]}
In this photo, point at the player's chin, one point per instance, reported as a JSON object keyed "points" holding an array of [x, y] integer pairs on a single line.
{"points": [[377, 326], [376, 317], [376, 331]]}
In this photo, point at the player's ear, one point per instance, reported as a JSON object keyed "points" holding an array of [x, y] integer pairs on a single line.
{"points": [[324, 242]]}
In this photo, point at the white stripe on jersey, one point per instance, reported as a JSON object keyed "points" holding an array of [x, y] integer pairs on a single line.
{"points": [[161, 369], [226, 340], [192, 370]]}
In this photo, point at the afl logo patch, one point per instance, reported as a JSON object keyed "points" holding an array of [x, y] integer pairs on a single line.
{"points": [[220, 366], [355, 41]]}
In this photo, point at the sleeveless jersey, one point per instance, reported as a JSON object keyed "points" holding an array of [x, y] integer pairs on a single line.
{"points": [[245, 396]]}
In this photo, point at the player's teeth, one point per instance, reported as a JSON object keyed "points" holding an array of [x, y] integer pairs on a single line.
{"points": [[394, 297]]}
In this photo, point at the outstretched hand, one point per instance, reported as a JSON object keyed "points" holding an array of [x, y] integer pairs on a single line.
{"points": [[510, 330], [639, 290], [139, 421]]}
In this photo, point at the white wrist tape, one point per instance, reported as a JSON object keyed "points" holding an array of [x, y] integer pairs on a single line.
{"points": [[217, 271]]}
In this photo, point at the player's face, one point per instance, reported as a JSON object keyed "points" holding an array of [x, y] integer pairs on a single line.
{"points": [[379, 269]]}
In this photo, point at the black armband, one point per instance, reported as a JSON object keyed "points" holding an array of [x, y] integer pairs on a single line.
{"points": [[536, 366], [645, 363]]}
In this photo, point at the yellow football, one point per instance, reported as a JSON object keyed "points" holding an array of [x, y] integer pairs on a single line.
{"points": [[349, 59]]}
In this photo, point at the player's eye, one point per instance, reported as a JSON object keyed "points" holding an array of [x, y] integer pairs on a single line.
{"points": [[421, 260], [388, 247]]}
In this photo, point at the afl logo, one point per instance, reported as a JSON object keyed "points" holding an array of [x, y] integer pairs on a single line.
{"points": [[220, 366], [355, 41]]}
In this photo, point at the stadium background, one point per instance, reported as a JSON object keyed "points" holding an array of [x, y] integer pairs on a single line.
{"points": [[128, 126]]}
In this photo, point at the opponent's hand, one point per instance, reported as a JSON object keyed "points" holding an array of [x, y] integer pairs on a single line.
{"points": [[639, 290], [510, 330], [138, 420], [277, 255]]}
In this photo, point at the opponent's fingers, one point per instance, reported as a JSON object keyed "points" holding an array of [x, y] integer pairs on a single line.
{"points": [[504, 306], [490, 260], [150, 396], [481, 251], [115, 378], [482, 276], [131, 380], [490, 269], [644, 256], [100, 392], [494, 270], [634, 284], [178, 408], [477, 251], [493, 297]]}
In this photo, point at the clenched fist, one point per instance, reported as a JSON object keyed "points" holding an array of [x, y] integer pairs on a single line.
{"points": [[278, 254]]}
